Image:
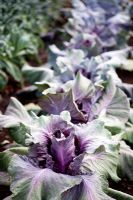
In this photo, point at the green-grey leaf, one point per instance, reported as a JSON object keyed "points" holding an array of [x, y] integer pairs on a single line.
{"points": [[128, 136], [113, 106], [18, 133], [119, 195], [127, 65], [14, 115], [19, 150], [37, 74], [105, 164], [5, 158], [91, 188], [29, 182], [126, 160], [81, 87]]}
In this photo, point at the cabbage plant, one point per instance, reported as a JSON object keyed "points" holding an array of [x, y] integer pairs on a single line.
{"points": [[59, 159], [97, 26]]}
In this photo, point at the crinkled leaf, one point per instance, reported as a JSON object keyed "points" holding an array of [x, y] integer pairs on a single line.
{"points": [[91, 188], [82, 87], [37, 74], [56, 103], [128, 136], [126, 160], [7, 155], [14, 115], [48, 126], [105, 164], [29, 182], [92, 135], [113, 105], [63, 153], [71, 60]]}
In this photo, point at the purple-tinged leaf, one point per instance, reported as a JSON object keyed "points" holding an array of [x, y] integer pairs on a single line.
{"points": [[30, 182], [82, 87], [92, 135], [51, 126], [63, 152], [91, 188], [113, 105], [56, 103], [104, 163]]}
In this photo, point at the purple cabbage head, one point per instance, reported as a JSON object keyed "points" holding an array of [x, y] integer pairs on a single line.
{"points": [[98, 26], [86, 101], [66, 160]]}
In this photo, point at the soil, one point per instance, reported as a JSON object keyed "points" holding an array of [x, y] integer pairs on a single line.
{"points": [[4, 191], [124, 185], [126, 76], [38, 60], [9, 91]]}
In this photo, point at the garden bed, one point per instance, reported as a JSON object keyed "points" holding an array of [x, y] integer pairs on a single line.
{"points": [[66, 101]]}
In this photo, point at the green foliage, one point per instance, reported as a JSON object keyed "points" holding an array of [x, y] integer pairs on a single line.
{"points": [[21, 23]]}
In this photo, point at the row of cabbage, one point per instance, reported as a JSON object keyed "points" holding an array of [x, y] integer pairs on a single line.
{"points": [[80, 136]]}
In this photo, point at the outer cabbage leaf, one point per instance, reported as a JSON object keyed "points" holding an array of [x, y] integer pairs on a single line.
{"points": [[118, 195], [14, 115], [126, 161], [71, 60], [89, 189], [30, 182], [92, 135], [19, 122], [104, 163], [113, 105], [81, 86], [56, 103], [128, 89], [99, 148], [37, 74], [128, 136]]}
